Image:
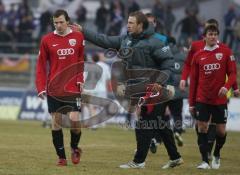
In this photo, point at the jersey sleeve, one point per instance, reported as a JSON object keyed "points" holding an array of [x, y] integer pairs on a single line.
{"points": [[187, 64], [41, 68], [231, 71], [194, 78], [80, 78]]}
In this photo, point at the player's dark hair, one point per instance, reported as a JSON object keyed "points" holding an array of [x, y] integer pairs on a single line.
{"points": [[60, 12], [141, 18], [211, 21], [212, 28]]}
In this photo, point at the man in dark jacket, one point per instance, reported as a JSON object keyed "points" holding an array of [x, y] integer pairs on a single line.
{"points": [[148, 54]]}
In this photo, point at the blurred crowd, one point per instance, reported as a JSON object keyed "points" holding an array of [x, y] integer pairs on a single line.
{"points": [[18, 25]]}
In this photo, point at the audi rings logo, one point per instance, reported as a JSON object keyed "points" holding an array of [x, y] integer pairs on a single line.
{"points": [[64, 52], [211, 67]]}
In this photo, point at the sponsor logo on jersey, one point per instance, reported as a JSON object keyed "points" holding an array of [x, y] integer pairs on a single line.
{"points": [[65, 52], [211, 67], [72, 42], [219, 56]]}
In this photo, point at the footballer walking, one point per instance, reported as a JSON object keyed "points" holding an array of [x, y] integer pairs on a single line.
{"points": [[60, 50], [208, 89]]}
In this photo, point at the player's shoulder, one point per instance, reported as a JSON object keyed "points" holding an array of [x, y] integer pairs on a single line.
{"points": [[48, 36], [198, 43], [199, 53], [224, 48]]}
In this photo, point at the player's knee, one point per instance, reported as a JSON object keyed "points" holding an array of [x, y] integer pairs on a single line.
{"points": [[202, 128], [74, 116], [56, 121]]}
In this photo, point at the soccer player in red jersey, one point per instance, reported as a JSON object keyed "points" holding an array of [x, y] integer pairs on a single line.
{"points": [[61, 50], [195, 47], [208, 89]]}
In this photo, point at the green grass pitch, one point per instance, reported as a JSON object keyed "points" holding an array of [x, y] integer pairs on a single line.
{"points": [[26, 149]]}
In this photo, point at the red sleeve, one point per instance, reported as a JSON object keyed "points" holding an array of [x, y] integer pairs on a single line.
{"points": [[231, 71], [81, 60], [194, 77], [41, 68], [187, 64]]}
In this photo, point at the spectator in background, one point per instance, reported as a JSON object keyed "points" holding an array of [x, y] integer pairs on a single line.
{"points": [[116, 20], [12, 20], [26, 28], [237, 34], [189, 28], [133, 6], [192, 7], [229, 19], [45, 22], [81, 14], [169, 19], [119, 4], [2, 13], [158, 10], [101, 18], [6, 38]]}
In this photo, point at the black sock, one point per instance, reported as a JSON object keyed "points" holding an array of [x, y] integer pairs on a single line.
{"points": [[75, 139], [219, 144], [211, 136], [203, 146], [57, 138]]}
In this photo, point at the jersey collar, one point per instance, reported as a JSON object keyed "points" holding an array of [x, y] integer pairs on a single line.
{"points": [[208, 48], [68, 32]]}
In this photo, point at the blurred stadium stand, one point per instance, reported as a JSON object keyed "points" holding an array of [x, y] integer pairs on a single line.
{"points": [[17, 58]]}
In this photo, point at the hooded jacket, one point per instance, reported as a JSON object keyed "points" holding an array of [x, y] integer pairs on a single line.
{"points": [[147, 51]]}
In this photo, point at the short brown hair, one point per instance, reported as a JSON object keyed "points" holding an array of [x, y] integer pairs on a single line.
{"points": [[60, 12], [212, 28], [141, 18]]}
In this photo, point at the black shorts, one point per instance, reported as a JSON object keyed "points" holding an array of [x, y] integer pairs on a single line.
{"points": [[55, 105], [219, 113]]}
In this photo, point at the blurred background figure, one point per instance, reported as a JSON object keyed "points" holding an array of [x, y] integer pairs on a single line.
{"points": [[81, 14], [229, 19], [102, 17]]}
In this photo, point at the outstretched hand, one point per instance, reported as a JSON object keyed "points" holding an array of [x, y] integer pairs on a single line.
{"points": [[75, 27]]}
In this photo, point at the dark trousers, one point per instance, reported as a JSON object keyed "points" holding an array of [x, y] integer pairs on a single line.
{"points": [[175, 107], [149, 125]]}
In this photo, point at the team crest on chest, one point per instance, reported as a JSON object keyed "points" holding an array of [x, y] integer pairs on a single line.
{"points": [[219, 56], [72, 42]]}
